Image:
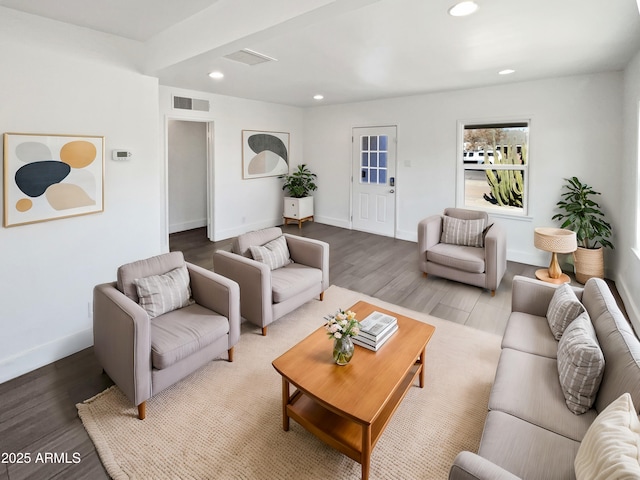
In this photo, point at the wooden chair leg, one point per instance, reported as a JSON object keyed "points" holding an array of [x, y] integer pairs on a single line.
{"points": [[493, 293], [264, 331], [230, 352], [321, 296], [424, 274], [142, 410]]}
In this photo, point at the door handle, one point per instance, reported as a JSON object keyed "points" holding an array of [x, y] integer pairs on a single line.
{"points": [[391, 191]]}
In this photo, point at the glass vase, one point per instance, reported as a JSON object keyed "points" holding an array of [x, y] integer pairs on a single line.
{"points": [[342, 350]]}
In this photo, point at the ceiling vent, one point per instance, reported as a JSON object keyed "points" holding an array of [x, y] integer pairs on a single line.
{"points": [[185, 103], [249, 57]]}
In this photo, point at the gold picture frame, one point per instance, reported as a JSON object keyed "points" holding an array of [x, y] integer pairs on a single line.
{"points": [[51, 176]]}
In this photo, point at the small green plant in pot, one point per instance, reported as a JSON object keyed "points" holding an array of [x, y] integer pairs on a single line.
{"points": [[300, 183], [583, 215]]}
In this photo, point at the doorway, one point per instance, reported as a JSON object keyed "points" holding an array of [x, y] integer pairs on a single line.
{"points": [[373, 193], [189, 180]]}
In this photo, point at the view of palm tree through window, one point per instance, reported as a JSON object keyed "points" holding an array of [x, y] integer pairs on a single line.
{"points": [[495, 159]]}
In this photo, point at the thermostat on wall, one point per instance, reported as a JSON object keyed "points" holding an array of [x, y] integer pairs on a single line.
{"points": [[121, 155]]}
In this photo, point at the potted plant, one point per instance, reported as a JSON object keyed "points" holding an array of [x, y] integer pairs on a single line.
{"points": [[582, 214], [298, 205]]}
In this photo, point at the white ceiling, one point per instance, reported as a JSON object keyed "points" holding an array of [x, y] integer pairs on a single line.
{"points": [[354, 50]]}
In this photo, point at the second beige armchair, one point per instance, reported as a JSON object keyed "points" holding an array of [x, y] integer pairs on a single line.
{"points": [[292, 270]]}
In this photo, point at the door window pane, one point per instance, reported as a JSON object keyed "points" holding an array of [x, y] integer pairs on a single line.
{"points": [[365, 159]]}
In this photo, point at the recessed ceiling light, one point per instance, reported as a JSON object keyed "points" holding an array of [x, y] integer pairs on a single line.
{"points": [[318, 97], [463, 8], [506, 71], [216, 75]]}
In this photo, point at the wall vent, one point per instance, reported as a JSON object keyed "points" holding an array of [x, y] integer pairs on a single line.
{"points": [[249, 57], [185, 103]]}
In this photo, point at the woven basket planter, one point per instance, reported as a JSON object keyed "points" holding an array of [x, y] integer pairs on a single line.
{"points": [[589, 262]]}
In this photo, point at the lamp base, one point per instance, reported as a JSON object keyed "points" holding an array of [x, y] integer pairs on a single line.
{"points": [[543, 274]]}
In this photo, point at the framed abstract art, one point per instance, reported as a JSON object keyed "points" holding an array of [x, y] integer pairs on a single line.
{"points": [[48, 177], [264, 154]]}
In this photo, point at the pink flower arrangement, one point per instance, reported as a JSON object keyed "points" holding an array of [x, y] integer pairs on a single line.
{"points": [[342, 324]]}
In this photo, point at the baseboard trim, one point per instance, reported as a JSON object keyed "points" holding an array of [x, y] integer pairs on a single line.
{"points": [[247, 227], [181, 227], [42, 355], [335, 222]]}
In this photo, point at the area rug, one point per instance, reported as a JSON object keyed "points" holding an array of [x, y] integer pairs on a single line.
{"points": [[224, 421]]}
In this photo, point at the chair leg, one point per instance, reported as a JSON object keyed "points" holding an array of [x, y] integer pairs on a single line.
{"points": [[142, 410], [321, 296], [264, 331], [424, 274], [493, 293], [230, 352]]}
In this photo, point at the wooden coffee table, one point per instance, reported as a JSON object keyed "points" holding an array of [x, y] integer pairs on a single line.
{"points": [[348, 407]]}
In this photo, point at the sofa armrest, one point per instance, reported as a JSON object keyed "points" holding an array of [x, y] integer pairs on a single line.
{"points": [[122, 341], [533, 296], [254, 279], [469, 466], [217, 293], [310, 252], [429, 233], [495, 254]]}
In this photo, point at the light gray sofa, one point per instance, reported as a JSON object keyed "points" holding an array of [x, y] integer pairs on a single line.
{"points": [[265, 294], [480, 266], [144, 355], [529, 432]]}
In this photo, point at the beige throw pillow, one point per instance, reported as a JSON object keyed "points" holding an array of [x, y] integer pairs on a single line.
{"points": [[580, 364], [610, 450], [275, 254], [462, 232], [160, 294], [563, 309]]}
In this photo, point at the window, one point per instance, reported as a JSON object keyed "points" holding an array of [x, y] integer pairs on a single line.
{"points": [[373, 153], [494, 167]]}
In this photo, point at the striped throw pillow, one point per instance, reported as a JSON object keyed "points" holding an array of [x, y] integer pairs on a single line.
{"points": [[457, 231], [160, 294], [563, 309], [580, 364], [275, 254]]}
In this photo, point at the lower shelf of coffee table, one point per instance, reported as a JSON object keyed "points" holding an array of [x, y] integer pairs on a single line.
{"points": [[338, 430]]}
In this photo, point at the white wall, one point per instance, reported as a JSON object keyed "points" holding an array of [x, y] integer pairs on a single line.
{"points": [[187, 174], [576, 129], [628, 261], [240, 205], [67, 80]]}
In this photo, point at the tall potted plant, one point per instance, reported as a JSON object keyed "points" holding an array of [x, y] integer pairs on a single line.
{"points": [[583, 215], [298, 205]]}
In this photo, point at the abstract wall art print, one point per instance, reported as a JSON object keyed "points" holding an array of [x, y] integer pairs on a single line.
{"points": [[264, 154], [47, 177]]}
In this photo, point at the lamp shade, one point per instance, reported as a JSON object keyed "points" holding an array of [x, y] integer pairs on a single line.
{"points": [[556, 240]]}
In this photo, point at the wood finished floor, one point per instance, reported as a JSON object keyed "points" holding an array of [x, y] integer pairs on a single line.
{"points": [[37, 410]]}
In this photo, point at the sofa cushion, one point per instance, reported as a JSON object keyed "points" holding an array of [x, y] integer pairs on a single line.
{"points": [[563, 309], [143, 268], [527, 386], [275, 253], [467, 259], [159, 294], [619, 345], [178, 334], [457, 231], [526, 450], [293, 279], [242, 242], [531, 334], [611, 448], [580, 364]]}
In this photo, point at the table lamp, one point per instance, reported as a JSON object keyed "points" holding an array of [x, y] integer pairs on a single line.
{"points": [[554, 240]]}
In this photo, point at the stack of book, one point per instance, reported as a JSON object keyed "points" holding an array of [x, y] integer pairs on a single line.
{"points": [[375, 330]]}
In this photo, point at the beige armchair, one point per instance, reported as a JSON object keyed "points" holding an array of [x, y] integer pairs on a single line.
{"points": [[267, 294], [482, 266], [144, 354]]}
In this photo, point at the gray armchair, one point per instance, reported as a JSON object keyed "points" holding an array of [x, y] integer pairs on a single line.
{"points": [[144, 355], [482, 266], [266, 294]]}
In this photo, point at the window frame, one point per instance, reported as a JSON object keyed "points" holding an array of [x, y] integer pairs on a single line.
{"points": [[461, 167]]}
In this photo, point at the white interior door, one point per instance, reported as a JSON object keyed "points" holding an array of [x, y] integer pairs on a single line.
{"points": [[373, 193]]}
